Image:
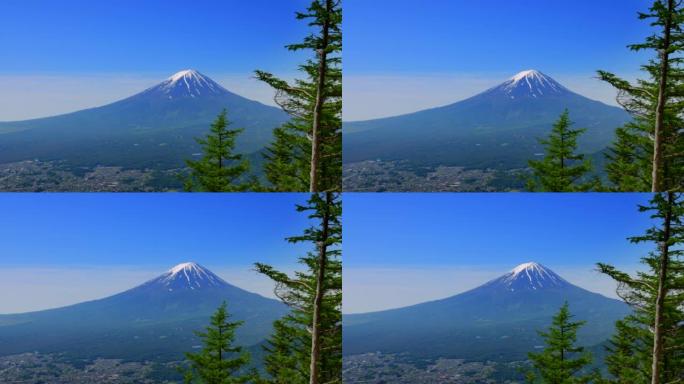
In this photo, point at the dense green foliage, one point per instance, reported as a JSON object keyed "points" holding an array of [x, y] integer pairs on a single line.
{"points": [[561, 170], [561, 362], [219, 362], [654, 101], [627, 356], [219, 169], [289, 349], [288, 157], [654, 293]]}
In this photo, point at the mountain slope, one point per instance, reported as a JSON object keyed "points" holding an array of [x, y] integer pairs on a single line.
{"points": [[496, 321], [155, 320], [152, 129], [497, 128]]}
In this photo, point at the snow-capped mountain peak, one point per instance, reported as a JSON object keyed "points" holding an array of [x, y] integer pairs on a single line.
{"points": [[187, 83], [529, 276], [184, 268], [187, 73], [186, 276], [528, 74], [529, 84]]}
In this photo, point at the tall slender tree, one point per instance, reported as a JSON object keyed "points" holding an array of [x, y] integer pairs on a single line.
{"points": [[307, 344], [562, 169], [657, 297], [654, 103], [219, 169], [306, 153], [665, 15], [219, 362], [561, 362]]}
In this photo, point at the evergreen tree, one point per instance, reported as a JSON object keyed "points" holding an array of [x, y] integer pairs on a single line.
{"points": [[656, 296], [287, 351], [219, 169], [625, 361], [561, 169], [307, 344], [561, 362], [668, 16], [306, 153], [219, 362], [629, 159], [655, 105]]}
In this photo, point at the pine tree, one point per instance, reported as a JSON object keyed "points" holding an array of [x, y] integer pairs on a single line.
{"points": [[625, 361], [655, 104], [287, 352], [657, 299], [219, 362], [561, 362], [219, 169], [629, 160], [306, 154], [307, 344], [561, 169], [669, 18]]}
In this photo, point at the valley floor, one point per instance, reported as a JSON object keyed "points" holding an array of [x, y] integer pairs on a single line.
{"points": [[35, 368], [56, 176], [402, 176], [379, 368]]}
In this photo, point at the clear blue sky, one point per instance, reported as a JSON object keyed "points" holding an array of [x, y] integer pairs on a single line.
{"points": [[62, 56], [495, 35], [402, 56], [62, 249], [77, 36], [395, 230], [63, 230]]}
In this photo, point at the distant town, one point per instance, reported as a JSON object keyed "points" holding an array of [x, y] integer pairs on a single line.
{"points": [[379, 368]]}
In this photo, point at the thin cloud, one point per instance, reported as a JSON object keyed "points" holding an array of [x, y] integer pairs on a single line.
{"points": [[25, 289], [377, 96], [33, 96], [376, 289]]}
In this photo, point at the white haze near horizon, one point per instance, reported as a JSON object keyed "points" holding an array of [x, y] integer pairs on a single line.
{"points": [[28, 288], [25, 97], [375, 289], [365, 96], [376, 96]]}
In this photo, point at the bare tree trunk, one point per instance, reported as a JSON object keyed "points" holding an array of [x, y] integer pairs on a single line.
{"points": [[662, 293], [320, 100], [656, 175], [320, 291]]}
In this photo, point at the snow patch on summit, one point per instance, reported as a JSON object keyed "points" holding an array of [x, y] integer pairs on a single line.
{"points": [[187, 83], [181, 74], [188, 276], [532, 83], [529, 276], [536, 274]]}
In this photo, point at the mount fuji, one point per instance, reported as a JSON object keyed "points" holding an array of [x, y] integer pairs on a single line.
{"points": [[496, 321], [154, 129], [497, 128], [153, 321]]}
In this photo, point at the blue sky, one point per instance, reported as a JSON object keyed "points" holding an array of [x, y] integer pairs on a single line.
{"points": [[85, 246], [77, 36], [61, 56], [402, 249], [456, 48], [148, 229]]}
